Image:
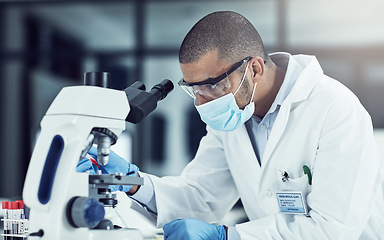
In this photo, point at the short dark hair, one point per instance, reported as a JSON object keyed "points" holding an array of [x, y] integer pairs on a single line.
{"points": [[230, 33]]}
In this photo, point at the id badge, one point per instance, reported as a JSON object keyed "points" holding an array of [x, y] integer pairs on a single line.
{"points": [[291, 202], [291, 192]]}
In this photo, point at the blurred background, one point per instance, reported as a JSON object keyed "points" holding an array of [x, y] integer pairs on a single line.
{"points": [[47, 45]]}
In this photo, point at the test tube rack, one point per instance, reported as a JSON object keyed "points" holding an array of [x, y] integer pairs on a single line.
{"points": [[15, 223], [18, 226]]}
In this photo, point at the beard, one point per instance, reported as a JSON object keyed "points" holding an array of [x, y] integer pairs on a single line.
{"points": [[245, 94]]}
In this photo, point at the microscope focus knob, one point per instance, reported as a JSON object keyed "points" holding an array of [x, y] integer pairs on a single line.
{"points": [[85, 212]]}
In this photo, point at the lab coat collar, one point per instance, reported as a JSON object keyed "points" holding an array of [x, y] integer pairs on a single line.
{"points": [[293, 69], [312, 71], [309, 66], [304, 84]]}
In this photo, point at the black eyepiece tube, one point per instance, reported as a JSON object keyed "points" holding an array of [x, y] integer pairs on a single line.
{"points": [[161, 90], [143, 103]]}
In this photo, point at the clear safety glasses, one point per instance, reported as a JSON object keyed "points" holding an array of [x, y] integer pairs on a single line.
{"points": [[211, 88]]}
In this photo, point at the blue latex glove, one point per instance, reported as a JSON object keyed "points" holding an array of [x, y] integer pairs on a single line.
{"points": [[194, 229], [115, 164]]}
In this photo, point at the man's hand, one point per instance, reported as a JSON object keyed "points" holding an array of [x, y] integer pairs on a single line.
{"points": [[115, 164], [193, 229]]}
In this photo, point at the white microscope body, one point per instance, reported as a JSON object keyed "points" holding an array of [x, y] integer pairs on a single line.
{"points": [[52, 180]]}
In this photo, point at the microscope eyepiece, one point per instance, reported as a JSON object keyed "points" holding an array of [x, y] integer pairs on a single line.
{"points": [[161, 90], [143, 103]]}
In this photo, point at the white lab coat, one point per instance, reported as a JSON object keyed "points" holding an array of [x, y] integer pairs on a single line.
{"points": [[321, 124]]}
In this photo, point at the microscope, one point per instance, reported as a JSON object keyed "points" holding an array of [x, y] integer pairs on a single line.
{"points": [[65, 204]]}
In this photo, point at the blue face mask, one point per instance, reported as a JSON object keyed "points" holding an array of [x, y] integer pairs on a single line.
{"points": [[223, 113]]}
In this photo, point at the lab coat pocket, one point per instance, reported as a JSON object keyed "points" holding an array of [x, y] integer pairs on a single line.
{"points": [[291, 193], [300, 184]]}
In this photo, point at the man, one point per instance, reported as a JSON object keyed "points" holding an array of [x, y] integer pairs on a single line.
{"points": [[293, 144]]}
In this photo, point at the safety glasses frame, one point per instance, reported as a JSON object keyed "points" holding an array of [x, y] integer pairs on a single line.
{"points": [[213, 81]]}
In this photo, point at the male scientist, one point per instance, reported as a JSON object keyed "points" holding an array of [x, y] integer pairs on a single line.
{"points": [[295, 145]]}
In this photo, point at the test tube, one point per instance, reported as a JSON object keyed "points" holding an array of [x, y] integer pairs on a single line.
{"points": [[21, 227], [14, 215], [25, 217], [7, 224]]}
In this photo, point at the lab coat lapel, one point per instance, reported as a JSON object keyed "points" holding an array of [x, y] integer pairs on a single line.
{"points": [[245, 149], [303, 86], [277, 131]]}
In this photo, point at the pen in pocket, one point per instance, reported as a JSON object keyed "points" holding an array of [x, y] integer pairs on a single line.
{"points": [[307, 171]]}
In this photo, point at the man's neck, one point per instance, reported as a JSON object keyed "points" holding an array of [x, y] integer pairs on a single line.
{"points": [[269, 89]]}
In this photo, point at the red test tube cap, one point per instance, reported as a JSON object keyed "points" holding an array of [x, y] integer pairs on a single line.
{"points": [[21, 204], [5, 205], [13, 205]]}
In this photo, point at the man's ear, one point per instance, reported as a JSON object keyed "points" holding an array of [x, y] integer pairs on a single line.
{"points": [[257, 68]]}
